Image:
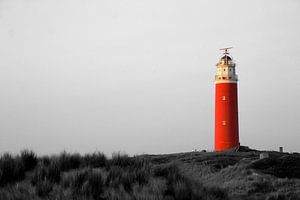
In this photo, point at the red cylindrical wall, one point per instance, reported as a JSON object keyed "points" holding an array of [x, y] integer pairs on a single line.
{"points": [[226, 116]]}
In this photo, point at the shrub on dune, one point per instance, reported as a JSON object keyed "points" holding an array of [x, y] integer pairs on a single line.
{"points": [[11, 169], [121, 160], [127, 177], [29, 159], [50, 173], [86, 183], [68, 161], [96, 159], [43, 188], [95, 185]]}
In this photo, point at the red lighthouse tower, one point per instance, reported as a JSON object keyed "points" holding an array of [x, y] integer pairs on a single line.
{"points": [[226, 104]]}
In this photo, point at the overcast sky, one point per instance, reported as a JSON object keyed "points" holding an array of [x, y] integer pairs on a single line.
{"points": [[137, 76]]}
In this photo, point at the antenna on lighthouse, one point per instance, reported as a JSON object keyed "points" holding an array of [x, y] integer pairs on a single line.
{"points": [[226, 50]]}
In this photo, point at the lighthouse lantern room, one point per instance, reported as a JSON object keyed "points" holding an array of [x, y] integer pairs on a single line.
{"points": [[226, 104]]}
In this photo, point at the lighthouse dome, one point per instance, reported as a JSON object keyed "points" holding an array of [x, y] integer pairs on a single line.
{"points": [[225, 59]]}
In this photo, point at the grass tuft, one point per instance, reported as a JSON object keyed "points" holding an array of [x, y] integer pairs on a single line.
{"points": [[51, 173], [43, 188], [11, 169], [29, 159], [68, 161], [96, 159]]}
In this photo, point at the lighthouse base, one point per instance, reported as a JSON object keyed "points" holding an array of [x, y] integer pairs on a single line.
{"points": [[229, 149]]}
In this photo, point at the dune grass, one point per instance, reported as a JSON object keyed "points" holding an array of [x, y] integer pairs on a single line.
{"points": [[190, 176]]}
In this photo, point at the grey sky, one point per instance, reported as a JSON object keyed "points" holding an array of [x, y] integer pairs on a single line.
{"points": [[138, 76]]}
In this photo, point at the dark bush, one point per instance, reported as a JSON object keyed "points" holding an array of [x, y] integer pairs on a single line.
{"points": [[126, 177], [183, 188], [190, 190], [12, 169], [96, 159], [127, 180], [114, 177], [68, 161], [169, 171], [261, 186], [15, 193], [50, 173], [276, 197], [180, 190], [140, 162], [87, 183], [174, 178], [121, 160], [53, 173], [142, 175], [286, 166], [78, 180], [29, 159], [218, 163], [95, 186], [45, 160], [283, 196], [215, 193], [43, 188]]}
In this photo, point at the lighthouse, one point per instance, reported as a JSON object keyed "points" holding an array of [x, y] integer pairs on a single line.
{"points": [[226, 104]]}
